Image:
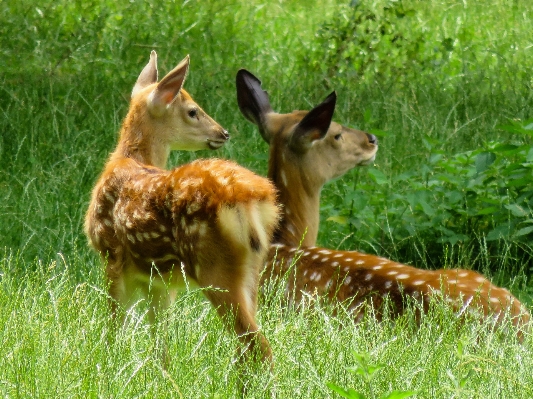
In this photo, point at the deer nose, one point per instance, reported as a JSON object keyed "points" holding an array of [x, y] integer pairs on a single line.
{"points": [[372, 139]]}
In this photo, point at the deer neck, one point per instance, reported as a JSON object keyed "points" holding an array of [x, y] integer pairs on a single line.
{"points": [[138, 141], [300, 198]]}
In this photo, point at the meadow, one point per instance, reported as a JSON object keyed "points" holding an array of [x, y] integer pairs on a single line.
{"points": [[445, 85]]}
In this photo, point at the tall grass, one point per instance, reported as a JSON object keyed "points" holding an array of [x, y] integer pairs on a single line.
{"points": [[66, 72]]}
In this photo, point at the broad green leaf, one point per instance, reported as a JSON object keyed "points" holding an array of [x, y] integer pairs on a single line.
{"points": [[348, 394], [484, 160], [372, 369], [428, 210], [523, 231], [488, 211], [517, 210], [501, 231], [378, 176], [398, 395], [342, 220]]}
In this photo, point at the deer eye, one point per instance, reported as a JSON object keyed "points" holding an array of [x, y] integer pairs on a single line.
{"points": [[338, 136], [193, 113]]}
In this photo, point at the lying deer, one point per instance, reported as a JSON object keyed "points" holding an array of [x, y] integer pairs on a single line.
{"points": [[307, 150], [210, 221]]}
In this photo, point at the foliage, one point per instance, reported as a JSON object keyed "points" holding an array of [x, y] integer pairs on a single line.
{"points": [[388, 41], [374, 40], [451, 200], [366, 370], [433, 88]]}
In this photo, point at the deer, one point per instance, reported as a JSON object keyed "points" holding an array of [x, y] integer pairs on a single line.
{"points": [[209, 222], [308, 149]]}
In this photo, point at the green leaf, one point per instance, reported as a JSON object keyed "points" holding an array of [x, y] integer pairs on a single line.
{"points": [[398, 395], [484, 160], [378, 176], [501, 231], [517, 210], [428, 210], [372, 369], [488, 211], [349, 393], [506, 148], [342, 220], [529, 156], [523, 231]]}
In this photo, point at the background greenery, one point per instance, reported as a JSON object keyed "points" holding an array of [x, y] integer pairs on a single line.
{"points": [[446, 85]]}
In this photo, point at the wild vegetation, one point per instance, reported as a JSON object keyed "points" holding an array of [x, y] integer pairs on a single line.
{"points": [[447, 87]]}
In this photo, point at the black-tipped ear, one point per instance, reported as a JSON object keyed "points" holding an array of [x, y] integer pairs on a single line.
{"points": [[253, 100], [314, 125]]}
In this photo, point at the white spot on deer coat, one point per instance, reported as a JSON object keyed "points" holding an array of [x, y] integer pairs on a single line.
{"points": [[402, 276], [283, 178], [387, 284], [347, 280], [109, 197], [202, 229]]}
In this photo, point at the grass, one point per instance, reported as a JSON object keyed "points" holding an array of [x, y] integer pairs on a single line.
{"points": [[66, 71], [56, 343]]}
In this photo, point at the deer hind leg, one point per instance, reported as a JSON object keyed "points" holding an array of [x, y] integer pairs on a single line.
{"points": [[234, 296]]}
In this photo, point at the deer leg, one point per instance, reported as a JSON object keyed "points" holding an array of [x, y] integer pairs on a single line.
{"points": [[235, 295]]}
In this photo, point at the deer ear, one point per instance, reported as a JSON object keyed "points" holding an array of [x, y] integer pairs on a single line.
{"points": [[168, 88], [148, 75], [253, 101], [314, 125]]}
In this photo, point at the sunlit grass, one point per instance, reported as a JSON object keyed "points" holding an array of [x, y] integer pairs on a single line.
{"points": [[66, 73]]}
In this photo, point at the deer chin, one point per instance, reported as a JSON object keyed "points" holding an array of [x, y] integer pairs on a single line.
{"points": [[215, 144], [369, 161]]}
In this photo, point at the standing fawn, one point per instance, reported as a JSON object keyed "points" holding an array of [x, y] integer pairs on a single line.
{"points": [[210, 220], [307, 150]]}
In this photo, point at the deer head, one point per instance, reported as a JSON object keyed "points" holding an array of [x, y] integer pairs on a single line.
{"points": [[166, 108], [307, 150]]}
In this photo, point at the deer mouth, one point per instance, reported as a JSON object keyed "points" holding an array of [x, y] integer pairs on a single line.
{"points": [[368, 161], [215, 144], [219, 141]]}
